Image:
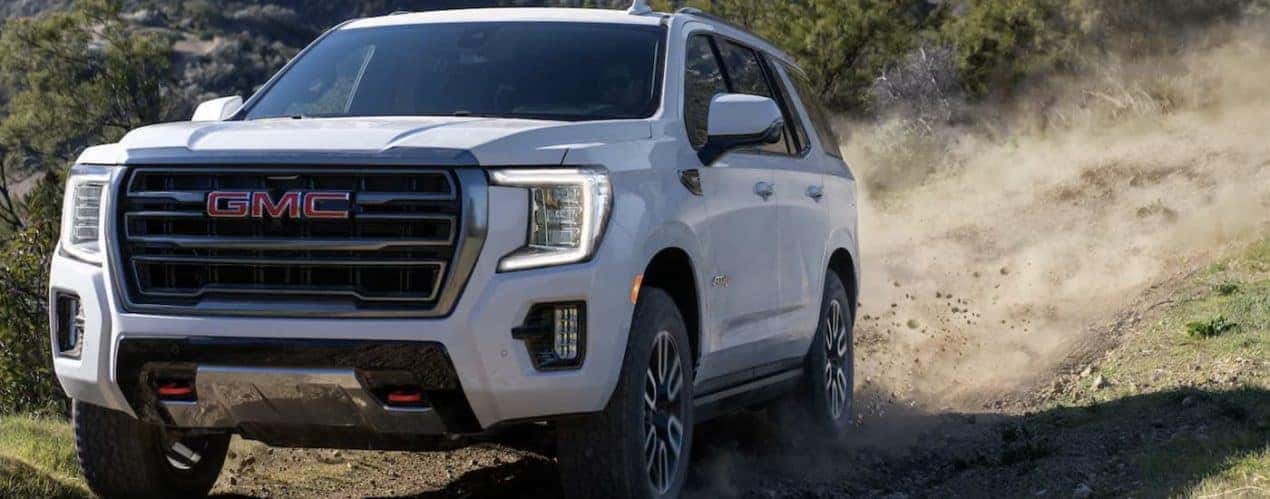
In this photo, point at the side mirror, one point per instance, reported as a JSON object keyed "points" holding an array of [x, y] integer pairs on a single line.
{"points": [[217, 109], [740, 120]]}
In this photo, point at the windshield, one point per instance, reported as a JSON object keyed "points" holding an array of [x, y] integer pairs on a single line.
{"points": [[557, 71]]}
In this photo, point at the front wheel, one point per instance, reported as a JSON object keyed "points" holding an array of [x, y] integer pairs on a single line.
{"points": [[824, 400], [123, 457], [638, 447]]}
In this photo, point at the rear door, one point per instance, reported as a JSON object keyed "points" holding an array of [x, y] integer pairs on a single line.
{"points": [[803, 219]]}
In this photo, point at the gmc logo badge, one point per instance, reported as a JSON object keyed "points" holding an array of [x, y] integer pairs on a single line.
{"points": [[239, 204]]}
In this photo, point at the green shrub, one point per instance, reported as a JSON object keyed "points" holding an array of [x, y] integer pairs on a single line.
{"points": [[1001, 42], [1210, 328], [26, 367], [1226, 288], [63, 94]]}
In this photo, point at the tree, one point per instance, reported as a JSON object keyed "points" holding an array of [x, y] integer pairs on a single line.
{"points": [[75, 78], [843, 45], [1001, 42]]}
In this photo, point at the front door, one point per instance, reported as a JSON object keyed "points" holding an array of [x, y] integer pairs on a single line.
{"points": [[740, 236]]}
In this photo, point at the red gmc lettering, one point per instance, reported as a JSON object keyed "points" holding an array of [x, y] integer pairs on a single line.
{"points": [[289, 204], [311, 200], [234, 206]]}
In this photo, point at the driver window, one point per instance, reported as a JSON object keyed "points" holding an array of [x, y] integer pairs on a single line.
{"points": [[703, 79]]}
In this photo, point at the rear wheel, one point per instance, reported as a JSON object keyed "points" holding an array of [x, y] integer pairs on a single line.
{"points": [[824, 400], [121, 456], [638, 447]]}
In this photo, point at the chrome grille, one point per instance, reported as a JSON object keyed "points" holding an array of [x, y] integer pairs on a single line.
{"points": [[394, 251]]}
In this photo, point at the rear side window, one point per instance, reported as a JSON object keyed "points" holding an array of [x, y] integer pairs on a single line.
{"points": [[703, 79], [745, 70], [793, 121], [816, 111]]}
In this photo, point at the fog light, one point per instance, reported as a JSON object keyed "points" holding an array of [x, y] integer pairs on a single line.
{"points": [[555, 335], [566, 333], [70, 326]]}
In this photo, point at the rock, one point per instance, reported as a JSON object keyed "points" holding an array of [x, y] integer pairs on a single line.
{"points": [[1088, 371], [1099, 383], [1082, 490]]}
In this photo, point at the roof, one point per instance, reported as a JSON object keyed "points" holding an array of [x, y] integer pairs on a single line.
{"points": [[538, 14]]}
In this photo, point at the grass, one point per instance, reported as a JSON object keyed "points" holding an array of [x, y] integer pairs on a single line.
{"points": [[1244, 476], [1211, 348], [37, 458]]}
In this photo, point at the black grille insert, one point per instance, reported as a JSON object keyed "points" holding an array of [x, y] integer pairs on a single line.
{"points": [[394, 251]]}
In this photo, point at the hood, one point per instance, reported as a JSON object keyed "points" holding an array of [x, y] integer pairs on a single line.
{"points": [[484, 141]]}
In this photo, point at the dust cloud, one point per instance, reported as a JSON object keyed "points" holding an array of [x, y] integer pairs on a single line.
{"points": [[1016, 241]]}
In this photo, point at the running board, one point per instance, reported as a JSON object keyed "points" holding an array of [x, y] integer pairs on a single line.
{"points": [[745, 395]]}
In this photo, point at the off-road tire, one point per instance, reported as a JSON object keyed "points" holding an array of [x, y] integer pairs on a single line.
{"points": [[602, 455], [810, 404], [121, 456]]}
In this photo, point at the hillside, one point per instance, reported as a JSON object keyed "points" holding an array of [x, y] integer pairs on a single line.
{"points": [[1067, 271]]}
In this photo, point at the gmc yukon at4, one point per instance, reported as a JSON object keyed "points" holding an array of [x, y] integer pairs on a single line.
{"points": [[430, 228]]}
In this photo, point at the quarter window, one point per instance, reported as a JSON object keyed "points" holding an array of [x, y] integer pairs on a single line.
{"points": [[703, 79], [819, 117]]}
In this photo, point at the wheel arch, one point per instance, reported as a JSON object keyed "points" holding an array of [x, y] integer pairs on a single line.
{"points": [[672, 271], [843, 265]]}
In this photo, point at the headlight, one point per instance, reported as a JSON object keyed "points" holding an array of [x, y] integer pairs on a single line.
{"points": [[81, 212], [568, 209]]}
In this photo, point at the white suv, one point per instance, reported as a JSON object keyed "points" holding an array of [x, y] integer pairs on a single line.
{"points": [[431, 227]]}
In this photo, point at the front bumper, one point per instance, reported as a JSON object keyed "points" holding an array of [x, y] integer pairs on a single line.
{"points": [[497, 376]]}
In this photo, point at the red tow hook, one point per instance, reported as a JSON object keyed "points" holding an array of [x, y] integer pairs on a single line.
{"points": [[175, 390], [405, 397]]}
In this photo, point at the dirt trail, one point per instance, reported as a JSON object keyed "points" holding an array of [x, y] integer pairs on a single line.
{"points": [[985, 278], [1021, 257]]}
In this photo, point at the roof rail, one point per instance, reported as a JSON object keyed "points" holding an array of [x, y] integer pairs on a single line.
{"points": [[639, 8], [693, 11], [400, 12]]}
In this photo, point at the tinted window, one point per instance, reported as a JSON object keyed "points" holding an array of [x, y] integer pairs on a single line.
{"points": [[819, 117], [702, 81], [793, 121], [561, 71], [745, 71]]}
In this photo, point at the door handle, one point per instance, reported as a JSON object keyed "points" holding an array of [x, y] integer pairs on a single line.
{"points": [[816, 192], [764, 190]]}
